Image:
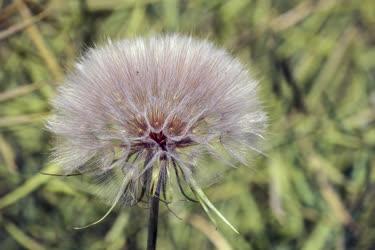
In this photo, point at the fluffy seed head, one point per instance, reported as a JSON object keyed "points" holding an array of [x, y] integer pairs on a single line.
{"points": [[155, 106]]}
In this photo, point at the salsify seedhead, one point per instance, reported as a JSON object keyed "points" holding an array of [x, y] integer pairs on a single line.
{"points": [[140, 111]]}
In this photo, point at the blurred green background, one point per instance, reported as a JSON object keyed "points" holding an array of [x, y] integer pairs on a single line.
{"points": [[316, 62]]}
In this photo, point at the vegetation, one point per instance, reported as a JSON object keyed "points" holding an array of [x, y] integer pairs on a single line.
{"points": [[313, 190]]}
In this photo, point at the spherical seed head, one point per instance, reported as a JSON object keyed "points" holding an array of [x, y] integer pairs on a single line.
{"points": [[160, 102]]}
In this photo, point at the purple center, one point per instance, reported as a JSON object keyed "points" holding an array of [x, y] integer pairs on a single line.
{"points": [[160, 139]]}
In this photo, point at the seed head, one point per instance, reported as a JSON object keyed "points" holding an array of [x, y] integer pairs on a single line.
{"points": [[150, 108]]}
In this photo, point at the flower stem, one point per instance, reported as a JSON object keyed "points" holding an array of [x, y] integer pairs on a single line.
{"points": [[153, 218]]}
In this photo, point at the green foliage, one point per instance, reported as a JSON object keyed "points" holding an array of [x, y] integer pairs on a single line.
{"points": [[313, 190]]}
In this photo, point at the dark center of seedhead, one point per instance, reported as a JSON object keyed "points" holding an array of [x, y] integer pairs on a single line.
{"points": [[160, 139], [165, 138]]}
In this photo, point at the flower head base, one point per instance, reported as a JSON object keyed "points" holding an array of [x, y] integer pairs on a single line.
{"points": [[141, 111]]}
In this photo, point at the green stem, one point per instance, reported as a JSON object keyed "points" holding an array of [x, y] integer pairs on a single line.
{"points": [[153, 218]]}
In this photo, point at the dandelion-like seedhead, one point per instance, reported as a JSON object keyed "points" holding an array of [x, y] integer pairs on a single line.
{"points": [[151, 108]]}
